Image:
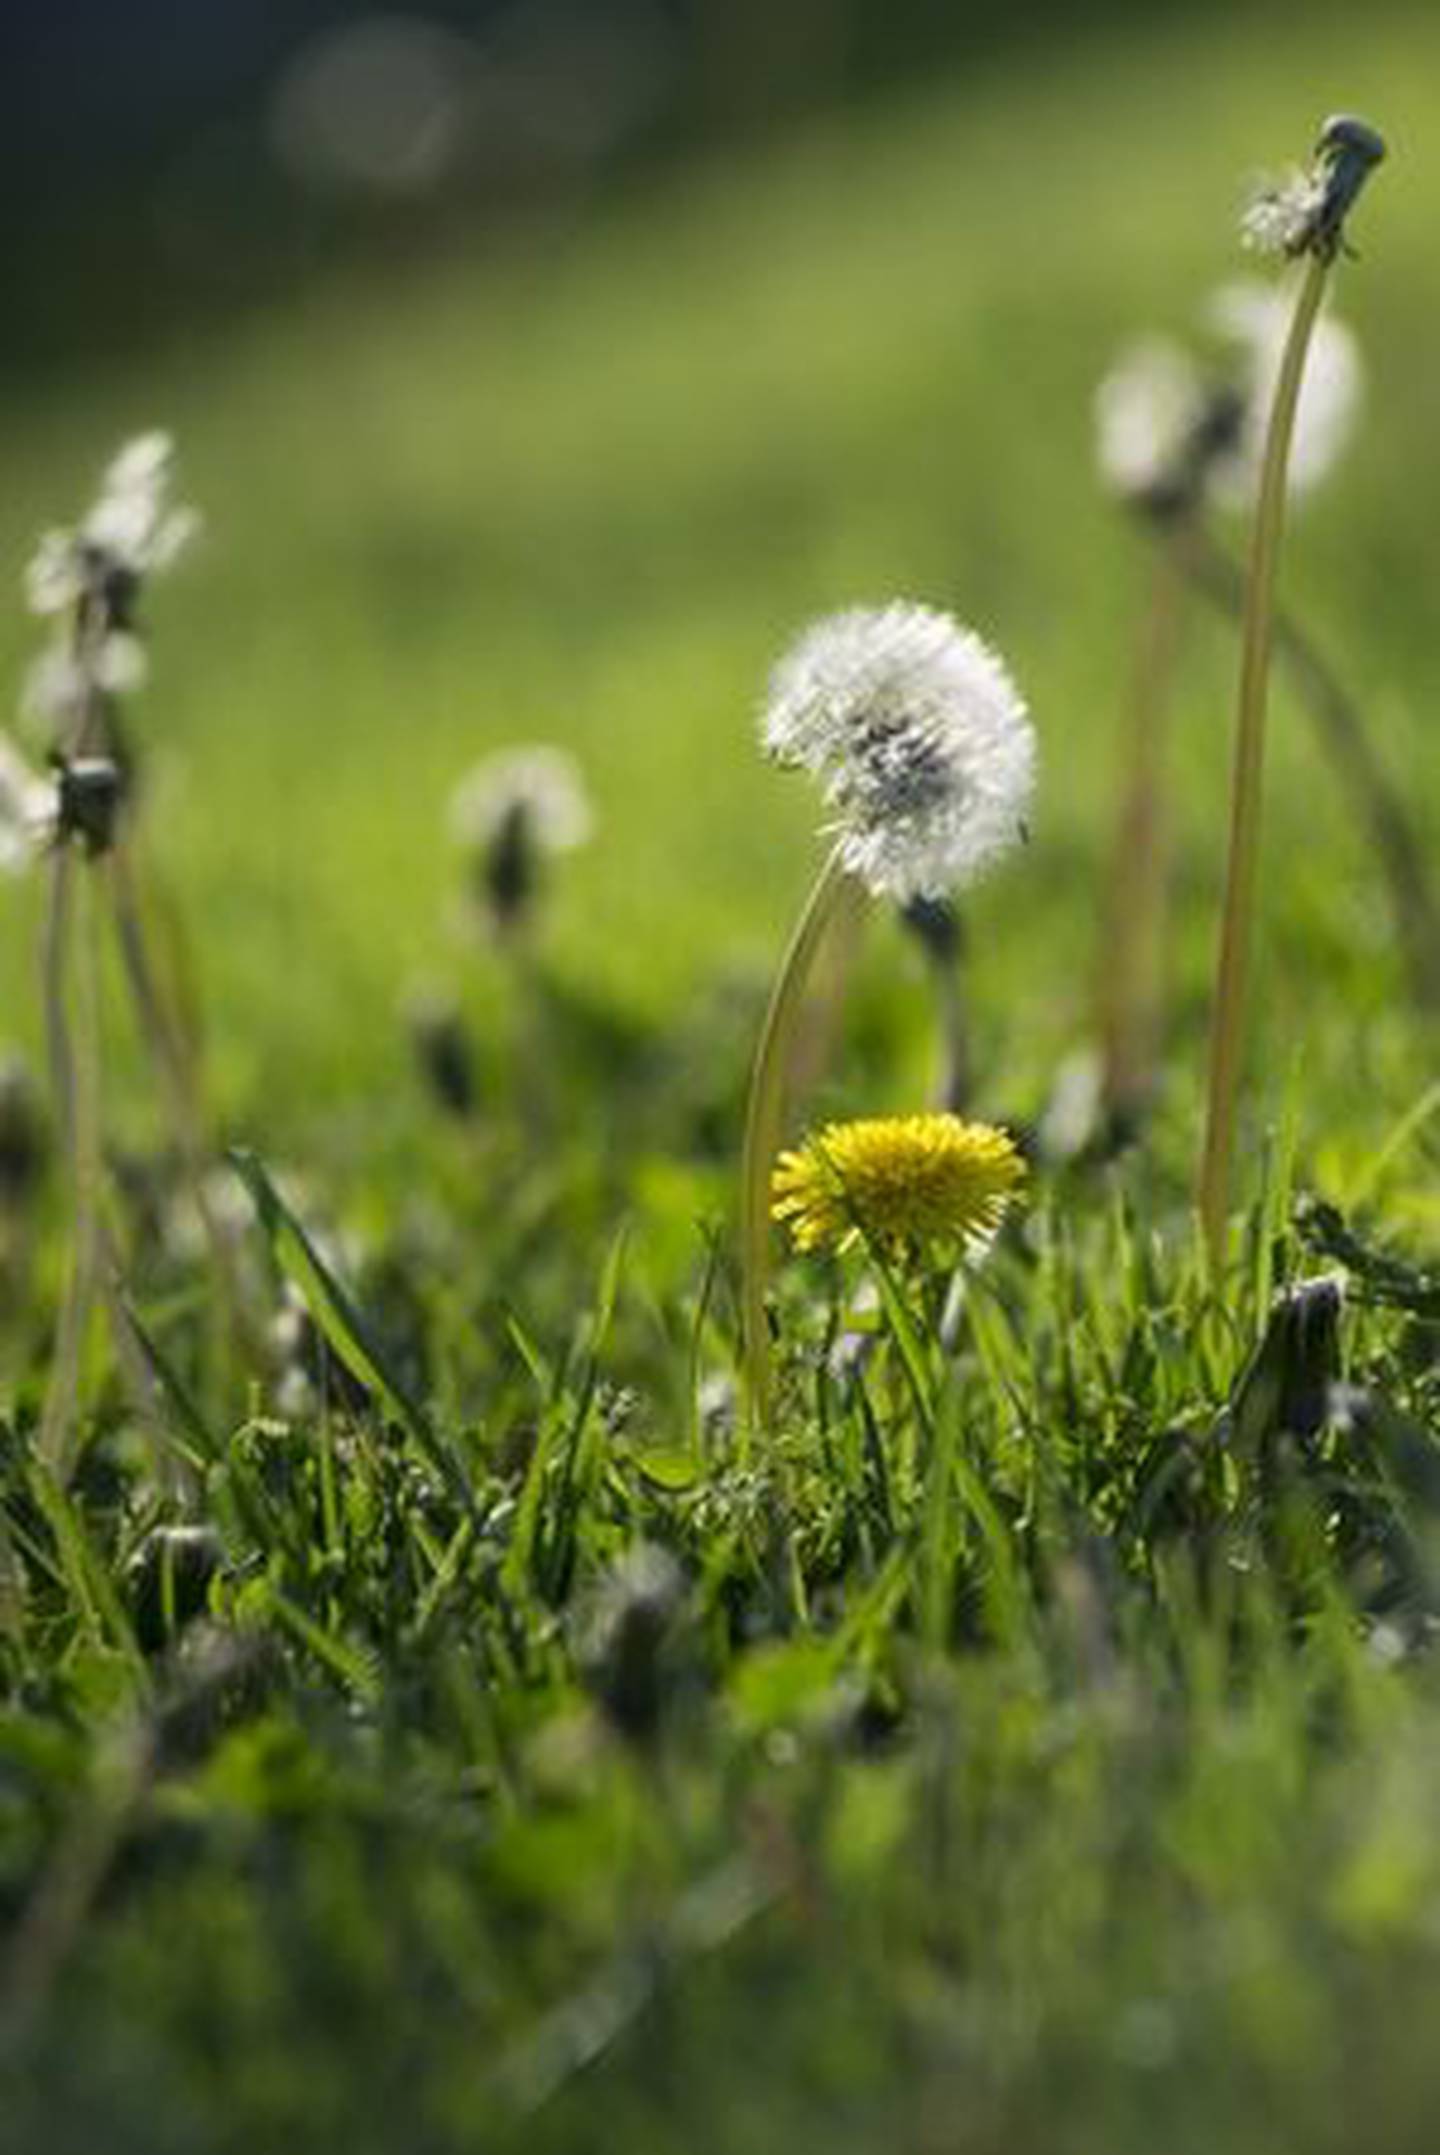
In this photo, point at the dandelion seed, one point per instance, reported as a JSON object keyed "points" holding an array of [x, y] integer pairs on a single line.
{"points": [[900, 1182], [920, 738], [1255, 320], [1282, 213]]}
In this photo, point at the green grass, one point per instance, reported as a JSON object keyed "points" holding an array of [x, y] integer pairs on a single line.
{"points": [[1074, 1787]]}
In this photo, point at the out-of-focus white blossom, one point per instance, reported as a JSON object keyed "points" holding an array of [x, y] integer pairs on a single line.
{"points": [[1148, 411], [133, 529], [919, 737], [541, 788], [89, 579], [1255, 320], [28, 810]]}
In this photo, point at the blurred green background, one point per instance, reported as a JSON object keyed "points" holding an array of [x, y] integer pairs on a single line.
{"points": [[571, 458]]}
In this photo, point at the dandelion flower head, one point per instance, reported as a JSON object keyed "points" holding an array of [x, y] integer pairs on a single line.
{"points": [[899, 1182], [133, 529], [1153, 411], [539, 788], [920, 738], [1254, 319]]}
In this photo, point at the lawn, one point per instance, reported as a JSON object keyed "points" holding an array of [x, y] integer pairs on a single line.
{"points": [[1034, 1744]]}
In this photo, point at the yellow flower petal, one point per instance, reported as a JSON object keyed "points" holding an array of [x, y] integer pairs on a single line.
{"points": [[898, 1181]]}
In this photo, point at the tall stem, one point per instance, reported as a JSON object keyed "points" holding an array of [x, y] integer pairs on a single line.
{"points": [[1129, 986], [763, 1124], [1232, 970], [74, 1068], [164, 1035]]}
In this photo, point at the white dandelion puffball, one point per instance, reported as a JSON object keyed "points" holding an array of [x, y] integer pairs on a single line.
{"points": [[919, 737], [541, 786], [1255, 320], [1148, 410], [132, 527]]}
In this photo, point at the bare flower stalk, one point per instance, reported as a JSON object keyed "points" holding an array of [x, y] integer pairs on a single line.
{"points": [[1305, 218], [1129, 991], [74, 1057], [833, 892], [171, 1053], [1247, 773]]}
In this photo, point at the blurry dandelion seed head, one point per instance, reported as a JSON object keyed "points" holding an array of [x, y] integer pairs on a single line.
{"points": [[1162, 424], [133, 529], [541, 788], [1254, 320], [901, 1182], [920, 739], [29, 810]]}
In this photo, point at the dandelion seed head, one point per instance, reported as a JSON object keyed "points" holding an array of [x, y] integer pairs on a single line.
{"points": [[541, 787], [1148, 410], [920, 739], [1254, 319], [900, 1182], [133, 529]]}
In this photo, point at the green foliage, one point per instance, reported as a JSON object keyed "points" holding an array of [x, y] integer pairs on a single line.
{"points": [[420, 1728]]}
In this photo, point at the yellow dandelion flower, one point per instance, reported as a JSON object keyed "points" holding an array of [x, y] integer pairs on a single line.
{"points": [[898, 1181]]}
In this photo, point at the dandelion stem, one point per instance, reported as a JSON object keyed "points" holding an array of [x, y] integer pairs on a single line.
{"points": [[1129, 988], [166, 1038], [763, 1123], [1247, 771], [74, 1069], [1342, 733]]}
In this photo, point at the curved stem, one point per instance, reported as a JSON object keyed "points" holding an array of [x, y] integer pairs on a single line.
{"points": [[763, 1122], [1232, 969]]}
